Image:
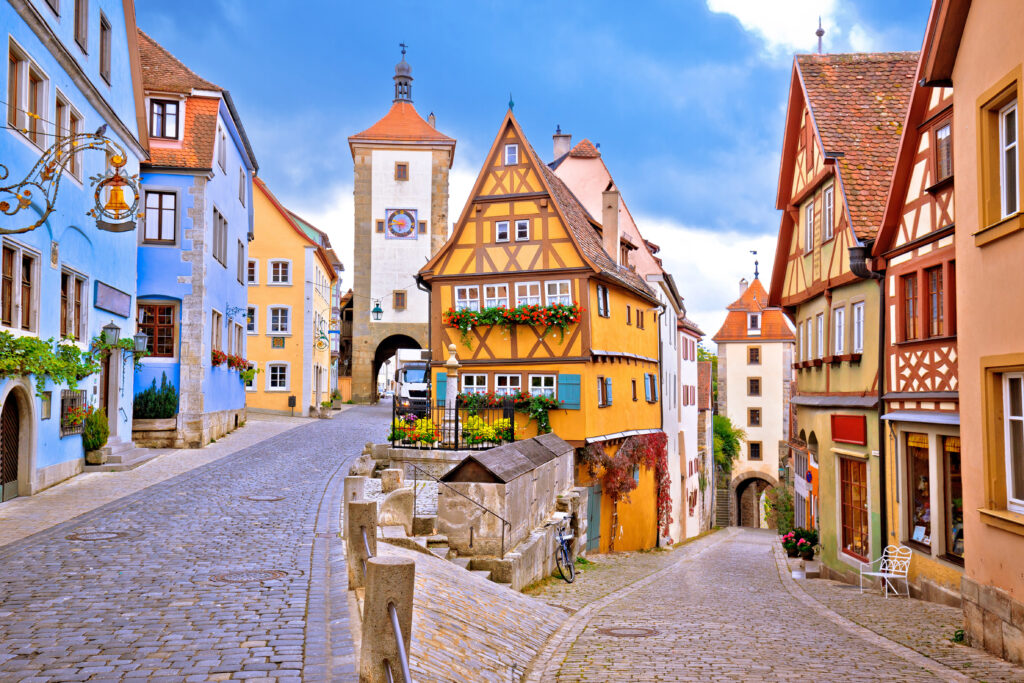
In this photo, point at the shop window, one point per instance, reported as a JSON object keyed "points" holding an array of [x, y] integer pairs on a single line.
{"points": [[854, 504], [954, 493], [919, 502]]}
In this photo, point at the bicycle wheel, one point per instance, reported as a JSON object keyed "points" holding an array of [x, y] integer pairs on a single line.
{"points": [[564, 563]]}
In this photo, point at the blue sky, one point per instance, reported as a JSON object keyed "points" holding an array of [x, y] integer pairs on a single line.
{"points": [[686, 98]]}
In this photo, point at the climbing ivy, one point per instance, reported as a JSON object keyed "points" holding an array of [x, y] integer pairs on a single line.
{"points": [[62, 362]]}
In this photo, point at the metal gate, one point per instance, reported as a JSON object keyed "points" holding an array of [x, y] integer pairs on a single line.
{"points": [[10, 434], [594, 518]]}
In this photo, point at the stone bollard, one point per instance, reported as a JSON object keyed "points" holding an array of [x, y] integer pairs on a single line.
{"points": [[390, 480], [389, 580], [355, 488], [359, 514]]}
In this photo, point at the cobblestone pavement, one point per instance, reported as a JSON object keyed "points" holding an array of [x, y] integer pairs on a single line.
{"points": [[718, 608], [203, 576]]}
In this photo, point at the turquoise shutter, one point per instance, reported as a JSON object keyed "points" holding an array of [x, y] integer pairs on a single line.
{"points": [[608, 389], [441, 388], [569, 391], [647, 386], [654, 386]]}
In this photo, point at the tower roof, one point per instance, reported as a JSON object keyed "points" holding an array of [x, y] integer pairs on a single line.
{"points": [[754, 299], [402, 123]]}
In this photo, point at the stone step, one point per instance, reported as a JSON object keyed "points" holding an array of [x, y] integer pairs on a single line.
{"points": [[462, 562], [437, 539], [126, 460], [441, 551], [482, 573], [424, 525]]}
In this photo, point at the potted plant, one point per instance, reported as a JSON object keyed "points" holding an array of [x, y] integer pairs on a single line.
{"points": [[805, 548], [95, 432], [325, 407], [336, 400], [806, 541], [789, 542]]}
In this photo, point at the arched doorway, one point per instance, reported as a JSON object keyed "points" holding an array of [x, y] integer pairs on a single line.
{"points": [[745, 498], [386, 350], [10, 447]]}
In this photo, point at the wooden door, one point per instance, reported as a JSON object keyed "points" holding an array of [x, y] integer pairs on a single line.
{"points": [[105, 383], [594, 518], [10, 442]]}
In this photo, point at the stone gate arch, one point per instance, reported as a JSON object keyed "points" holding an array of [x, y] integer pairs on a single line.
{"points": [[750, 484]]}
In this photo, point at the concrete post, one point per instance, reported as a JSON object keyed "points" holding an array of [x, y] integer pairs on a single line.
{"points": [[359, 515], [451, 397], [391, 480], [389, 581], [354, 488]]}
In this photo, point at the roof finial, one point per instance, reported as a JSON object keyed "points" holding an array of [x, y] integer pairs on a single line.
{"points": [[511, 104], [755, 262], [403, 78], [403, 45], [820, 32]]}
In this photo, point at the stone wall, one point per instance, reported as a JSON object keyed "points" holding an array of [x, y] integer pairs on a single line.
{"points": [[993, 620], [187, 431]]}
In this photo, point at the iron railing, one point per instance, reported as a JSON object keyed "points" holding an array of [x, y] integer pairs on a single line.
{"points": [[461, 428], [415, 491], [403, 656]]}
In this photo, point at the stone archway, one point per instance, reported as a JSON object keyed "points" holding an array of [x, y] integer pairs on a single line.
{"points": [[744, 493], [387, 348], [17, 396]]}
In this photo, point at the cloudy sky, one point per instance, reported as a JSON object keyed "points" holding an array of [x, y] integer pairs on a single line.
{"points": [[685, 97]]}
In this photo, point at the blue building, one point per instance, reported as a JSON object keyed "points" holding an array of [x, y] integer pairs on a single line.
{"points": [[72, 68], [193, 246]]}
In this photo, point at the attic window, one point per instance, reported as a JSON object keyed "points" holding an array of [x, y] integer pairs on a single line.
{"points": [[754, 323], [511, 155], [163, 119]]}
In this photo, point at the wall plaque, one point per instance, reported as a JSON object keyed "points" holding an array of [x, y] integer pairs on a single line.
{"points": [[114, 300]]}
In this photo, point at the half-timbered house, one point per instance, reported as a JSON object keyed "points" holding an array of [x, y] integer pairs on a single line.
{"points": [[842, 132], [524, 240]]}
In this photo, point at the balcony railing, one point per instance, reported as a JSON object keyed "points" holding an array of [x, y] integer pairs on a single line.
{"points": [[440, 428]]}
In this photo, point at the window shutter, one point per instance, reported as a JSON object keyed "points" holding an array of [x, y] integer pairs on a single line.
{"points": [[647, 386], [608, 390], [569, 391], [654, 387], [441, 388]]}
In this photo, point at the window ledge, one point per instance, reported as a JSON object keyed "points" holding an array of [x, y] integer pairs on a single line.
{"points": [[999, 229], [924, 340], [816, 362], [941, 185], [1003, 519]]}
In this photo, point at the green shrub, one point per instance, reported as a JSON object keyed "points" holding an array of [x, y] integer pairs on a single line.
{"points": [[95, 431], [780, 509], [156, 403]]}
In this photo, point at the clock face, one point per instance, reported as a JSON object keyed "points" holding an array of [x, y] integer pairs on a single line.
{"points": [[401, 224]]}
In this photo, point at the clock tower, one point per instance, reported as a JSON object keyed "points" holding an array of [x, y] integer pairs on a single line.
{"points": [[401, 219]]}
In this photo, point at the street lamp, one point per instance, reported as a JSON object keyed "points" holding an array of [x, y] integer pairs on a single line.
{"points": [[111, 333], [377, 311], [141, 341]]}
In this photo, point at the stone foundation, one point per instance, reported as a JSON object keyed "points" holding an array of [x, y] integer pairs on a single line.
{"points": [[993, 620], [186, 431], [45, 477]]}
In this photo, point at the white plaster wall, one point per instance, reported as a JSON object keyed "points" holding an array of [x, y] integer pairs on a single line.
{"points": [[671, 395], [396, 262], [688, 426]]}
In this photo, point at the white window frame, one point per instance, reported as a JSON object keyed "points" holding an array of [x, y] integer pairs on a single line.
{"points": [[476, 388], [467, 298], [219, 246], [270, 272], [604, 304], [270, 321], [1013, 504], [222, 149], [544, 390], [753, 323], [858, 327], [501, 231], [1005, 147], [250, 386], [508, 389], [558, 298], [255, 272], [828, 215], [255, 320], [804, 349], [287, 376], [26, 65], [154, 241], [217, 330], [820, 324], [15, 328], [238, 335], [492, 299], [241, 185], [79, 327], [70, 114], [809, 227], [839, 330], [512, 154], [524, 300], [522, 229]]}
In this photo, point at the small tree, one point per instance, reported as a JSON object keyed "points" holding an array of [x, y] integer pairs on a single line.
{"points": [[780, 508], [95, 430], [727, 442], [155, 403]]}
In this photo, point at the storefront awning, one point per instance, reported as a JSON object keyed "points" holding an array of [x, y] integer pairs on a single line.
{"points": [[923, 416]]}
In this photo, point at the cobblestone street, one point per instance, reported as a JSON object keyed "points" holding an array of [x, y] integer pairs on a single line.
{"points": [[217, 573]]}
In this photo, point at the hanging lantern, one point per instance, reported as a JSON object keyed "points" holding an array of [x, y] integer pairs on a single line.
{"points": [[377, 311], [111, 333], [141, 340]]}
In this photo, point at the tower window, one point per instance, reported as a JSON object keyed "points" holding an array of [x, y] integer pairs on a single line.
{"points": [[511, 155], [401, 170]]}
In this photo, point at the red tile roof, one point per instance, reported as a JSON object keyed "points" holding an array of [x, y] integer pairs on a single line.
{"points": [[585, 150], [196, 149], [858, 103], [162, 71], [402, 123], [754, 300]]}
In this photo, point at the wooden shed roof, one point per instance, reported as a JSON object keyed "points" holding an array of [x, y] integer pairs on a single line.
{"points": [[512, 460]]}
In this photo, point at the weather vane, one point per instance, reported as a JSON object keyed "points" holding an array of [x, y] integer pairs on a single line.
{"points": [[754, 252], [403, 46]]}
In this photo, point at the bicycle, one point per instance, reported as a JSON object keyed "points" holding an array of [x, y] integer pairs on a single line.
{"points": [[563, 552]]}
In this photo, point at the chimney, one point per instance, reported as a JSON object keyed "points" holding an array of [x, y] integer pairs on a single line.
{"points": [[610, 223], [431, 120], [743, 286], [563, 142]]}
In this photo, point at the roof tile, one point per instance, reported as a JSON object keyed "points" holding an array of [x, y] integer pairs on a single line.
{"points": [[753, 300], [163, 72], [402, 122]]}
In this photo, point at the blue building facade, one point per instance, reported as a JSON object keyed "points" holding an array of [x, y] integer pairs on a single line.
{"points": [[72, 68], [193, 251]]}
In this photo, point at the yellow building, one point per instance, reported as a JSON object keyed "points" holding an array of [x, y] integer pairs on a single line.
{"points": [[290, 275], [523, 240]]}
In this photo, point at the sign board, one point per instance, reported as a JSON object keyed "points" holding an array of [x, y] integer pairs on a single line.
{"points": [[113, 300]]}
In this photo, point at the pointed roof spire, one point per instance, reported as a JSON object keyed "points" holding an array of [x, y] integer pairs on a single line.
{"points": [[403, 78], [820, 32]]}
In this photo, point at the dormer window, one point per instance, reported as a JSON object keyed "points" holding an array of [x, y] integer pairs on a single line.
{"points": [[511, 155], [753, 323], [163, 119]]}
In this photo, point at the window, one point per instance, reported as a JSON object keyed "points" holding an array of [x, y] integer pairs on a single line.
{"points": [[753, 323], [241, 185], [753, 386], [819, 322], [753, 450], [13, 73], [216, 330], [401, 170], [161, 218], [910, 306], [277, 377], [918, 500], [604, 392], [522, 230], [467, 298], [858, 327], [158, 321], [501, 231], [82, 24], [511, 155], [753, 417], [163, 119], [241, 264], [34, 105], [72, 310], [252, 272], [104, 48], [279, 321], [828, 218], [943, 152], [250, 384], [1008, 176], [639, 319], [507, 385], [19, 291], [222, 149], [809, 227], [801, 335], [558, 292], [1013, 426], [629, 314], [495, 296], [633, 382], [753, 355], [602, 302], [838, 330], [69, 124], [423, 227], [528, 294], [954, 497], [474, 384], [220, 238], [380, 226], [26, 97], [398, 300], [933, 276], [251, 320], [650, 387], [542, 385], [854, 502], [280, 272]]}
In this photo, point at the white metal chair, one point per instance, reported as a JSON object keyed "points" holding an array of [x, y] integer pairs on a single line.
{"points": [[893, 566]]}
